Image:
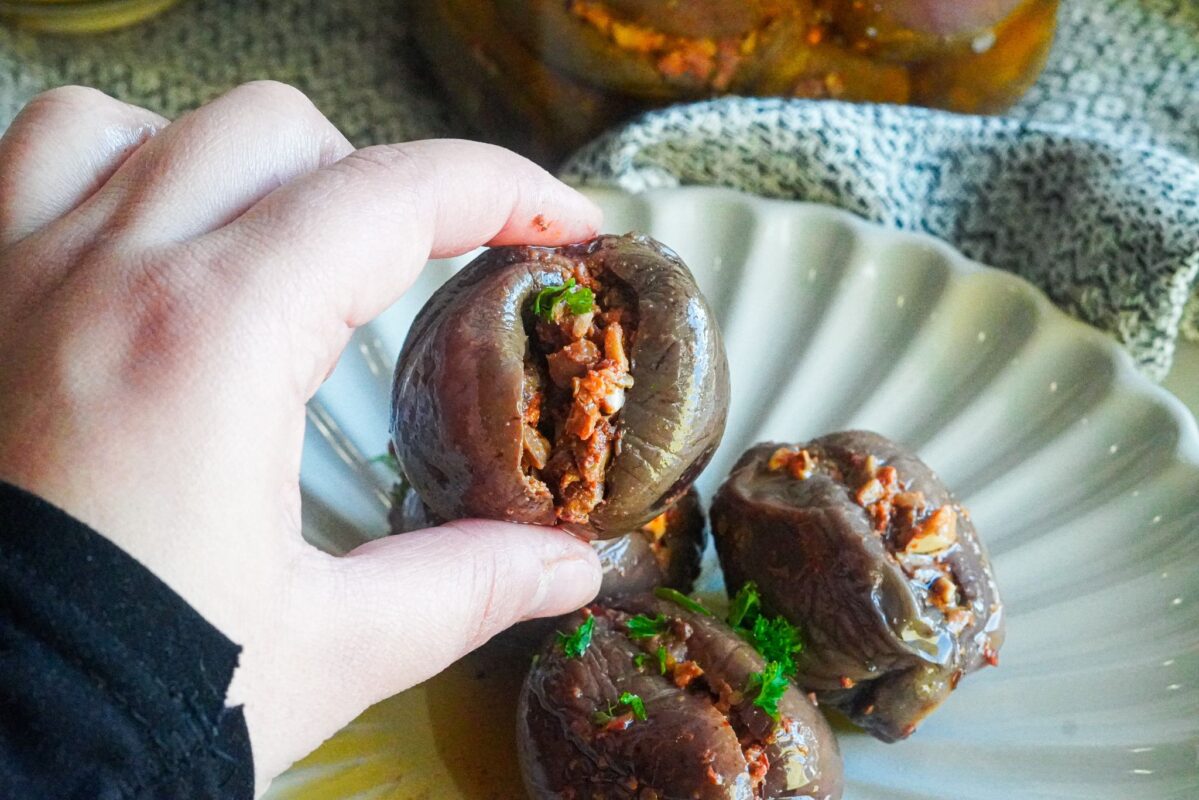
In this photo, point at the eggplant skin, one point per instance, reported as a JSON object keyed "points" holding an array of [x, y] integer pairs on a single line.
{"points": [[686, 748], [642, 560], [457, 394], [877, 647], [636, 562]]}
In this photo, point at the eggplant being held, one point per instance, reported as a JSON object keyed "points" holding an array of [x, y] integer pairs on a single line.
{"points": [[582, 386]]}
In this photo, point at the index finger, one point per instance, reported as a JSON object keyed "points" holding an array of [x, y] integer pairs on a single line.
{"points": [[343, 243]]}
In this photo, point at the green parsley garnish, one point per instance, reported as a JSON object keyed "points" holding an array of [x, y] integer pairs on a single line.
{"points": [[746, 604], [643, 659], [579, 299], [777, 640], [768, 687], [628, 700], [677, 597], [634, 703], [398, 489], [575, 644], [643, 627], [774, 637], [388, 460]]}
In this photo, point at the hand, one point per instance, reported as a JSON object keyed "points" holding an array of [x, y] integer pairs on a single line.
{"points": [[173, 294]]}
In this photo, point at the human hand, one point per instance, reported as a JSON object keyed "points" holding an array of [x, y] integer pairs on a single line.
{"points": [[174, 293]]}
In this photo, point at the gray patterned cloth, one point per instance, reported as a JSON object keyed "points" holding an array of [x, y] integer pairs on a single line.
{"points": [[1090, 187]]}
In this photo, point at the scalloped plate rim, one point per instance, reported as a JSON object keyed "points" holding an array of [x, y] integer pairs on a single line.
{"points": [[1126, 369], [1124, 375]]}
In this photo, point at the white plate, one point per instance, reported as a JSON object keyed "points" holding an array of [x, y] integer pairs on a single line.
{"points": [[1082, 477]]}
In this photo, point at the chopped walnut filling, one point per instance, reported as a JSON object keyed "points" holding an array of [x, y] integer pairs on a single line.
{"points": [[573, 395], [684, 673], [917, 534], [798, 463], [759, 764], [937, 533], [991, 655], [656, 527], [944, 593]]}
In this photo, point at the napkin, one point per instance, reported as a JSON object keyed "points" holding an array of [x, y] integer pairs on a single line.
{"points": [[1089, 188]]}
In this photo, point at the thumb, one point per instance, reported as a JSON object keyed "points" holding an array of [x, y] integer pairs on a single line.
{"points": [[415, 603], [361, 628]]}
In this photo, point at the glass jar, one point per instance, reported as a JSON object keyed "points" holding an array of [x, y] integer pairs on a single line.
{"points": [[544, 76], [79, 16]]}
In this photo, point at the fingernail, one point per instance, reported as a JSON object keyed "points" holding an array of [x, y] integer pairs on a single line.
{"points": [[566, 585]]}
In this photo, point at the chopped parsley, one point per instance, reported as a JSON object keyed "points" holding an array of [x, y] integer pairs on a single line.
{"points": [[643, 627], [634, 703], [768, 687], [627, 700], [775, 638], [388, 460], [641, 659], [579, 299], [678, 598], [398, 489], [746, 605], [575, 644]]}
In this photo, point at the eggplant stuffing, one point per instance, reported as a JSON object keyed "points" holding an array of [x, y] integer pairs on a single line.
{"points": [[651, 697], [858, 542], [666, 551], [582, 386]]}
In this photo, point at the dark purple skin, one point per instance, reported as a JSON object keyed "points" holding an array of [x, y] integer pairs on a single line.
{"points": [[685, 749], [457, 395], [817, 560], [632, 563]]}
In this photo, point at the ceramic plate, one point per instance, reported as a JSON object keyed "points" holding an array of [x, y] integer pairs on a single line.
{"points": [[1082, 477]]}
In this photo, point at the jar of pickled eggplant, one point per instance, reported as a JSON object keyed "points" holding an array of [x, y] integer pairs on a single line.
{"points": [[544, 76], [79, 16]]}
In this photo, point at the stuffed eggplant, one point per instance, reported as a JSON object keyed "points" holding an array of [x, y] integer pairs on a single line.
{"points": [[644, 697], [858, 542], [582, 386], [546, 76], [666, 551]]}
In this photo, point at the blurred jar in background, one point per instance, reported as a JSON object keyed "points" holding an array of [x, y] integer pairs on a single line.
{"points": [[79, 16], [544, 76]]}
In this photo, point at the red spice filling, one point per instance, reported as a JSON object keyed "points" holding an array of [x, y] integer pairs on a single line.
{"points": [[575, 382]]}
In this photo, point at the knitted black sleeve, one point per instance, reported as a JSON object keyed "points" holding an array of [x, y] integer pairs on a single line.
{"points": [[111, 686]]}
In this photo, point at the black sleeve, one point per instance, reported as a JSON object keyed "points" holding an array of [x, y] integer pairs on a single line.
{"points": [[111, 686]]}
